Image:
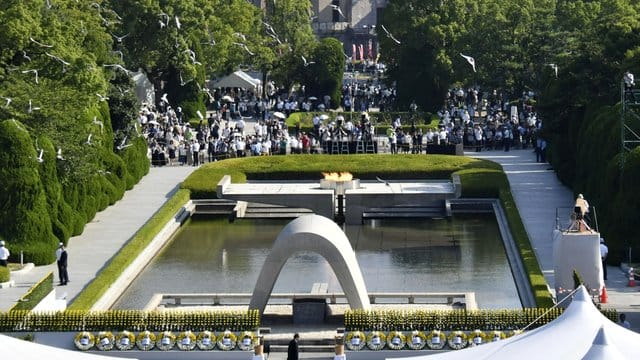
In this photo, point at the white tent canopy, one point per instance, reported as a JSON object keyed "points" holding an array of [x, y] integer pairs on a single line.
{"points": [[581, 332], [13, 348], [238, 79]]}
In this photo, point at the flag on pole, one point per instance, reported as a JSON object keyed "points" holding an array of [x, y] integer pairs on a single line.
{"points": [[362, 52], [370, 50], [354, 54]]}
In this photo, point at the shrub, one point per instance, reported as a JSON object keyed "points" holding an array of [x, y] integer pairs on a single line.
{"points": [[5, 274], [131, 320], [37, 292]]}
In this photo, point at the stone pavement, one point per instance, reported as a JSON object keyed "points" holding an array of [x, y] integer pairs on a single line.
{"points": [[538, 193], [109, 230]]}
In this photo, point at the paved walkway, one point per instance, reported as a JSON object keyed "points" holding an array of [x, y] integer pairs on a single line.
{"points": [[104, 235], [538, 193]]}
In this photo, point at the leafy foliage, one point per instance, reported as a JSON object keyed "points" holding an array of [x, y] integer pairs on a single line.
{"points": [[57, 131]]}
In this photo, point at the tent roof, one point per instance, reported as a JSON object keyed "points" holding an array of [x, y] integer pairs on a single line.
{"points": [[571, 336], [20, 349], [237, 79]]}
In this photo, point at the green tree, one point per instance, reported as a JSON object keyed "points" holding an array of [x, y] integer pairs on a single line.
{"points": [[324, 77]]}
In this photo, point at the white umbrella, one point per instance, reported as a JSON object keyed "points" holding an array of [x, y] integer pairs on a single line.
{"points": [[313, 98], [227, 98], [153, 122], [279, 115], [324, 117]]}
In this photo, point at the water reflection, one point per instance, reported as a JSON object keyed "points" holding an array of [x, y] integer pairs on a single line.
{"points": [[210, 255]]}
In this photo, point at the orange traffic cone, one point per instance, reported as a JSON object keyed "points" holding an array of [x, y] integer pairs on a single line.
{"points": [[603, 296], [632, 278]]}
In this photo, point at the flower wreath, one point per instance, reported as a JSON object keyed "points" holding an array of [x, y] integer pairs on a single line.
{"points": [[457, 340], [227, 340], [477, 337], [84, 340], [186, 340], [376, 340], [436, 340], [355, 340], [206, 340], [146, 340], [496, 335], [125, 340], [417, 341], [105, 340], [396, 340], [165, 340], [247, 340]]}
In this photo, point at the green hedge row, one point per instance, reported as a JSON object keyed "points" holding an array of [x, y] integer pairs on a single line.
{"points": [[37, 292], [129, 252], [5, 274], [132, 320], [386, 320], [48, 201], [480, 178]]}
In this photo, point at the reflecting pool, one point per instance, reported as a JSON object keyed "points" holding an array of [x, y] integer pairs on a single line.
{"points": [[395, 255]]}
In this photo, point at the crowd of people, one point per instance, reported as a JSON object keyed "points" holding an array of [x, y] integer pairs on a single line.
{"points": [[477, 120]]}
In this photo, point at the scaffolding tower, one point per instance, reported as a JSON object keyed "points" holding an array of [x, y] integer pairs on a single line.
{"points": [[629, 128], [630, 119]]}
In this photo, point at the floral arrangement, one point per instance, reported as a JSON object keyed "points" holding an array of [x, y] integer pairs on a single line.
{"points": [[227, 340], [206, 340], [84, 340], [355, 340], [186, 340], [125, 340], [496, 335], [477, 337], [436, 340], [105, 340], [396, 340], [165, 340], [457, 340], [417, 341], [514, 333], [376, 340], [247, 340], [146, 340]]}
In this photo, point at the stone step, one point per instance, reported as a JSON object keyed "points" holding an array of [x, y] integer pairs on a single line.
{"points": [[404, 212], [304, 348]]}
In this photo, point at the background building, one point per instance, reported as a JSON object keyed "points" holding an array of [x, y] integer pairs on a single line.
{"points": [[354, 24]]}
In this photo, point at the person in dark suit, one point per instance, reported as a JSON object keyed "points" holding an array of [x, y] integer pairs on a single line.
{"points": [[61, 257], [292, 351]]}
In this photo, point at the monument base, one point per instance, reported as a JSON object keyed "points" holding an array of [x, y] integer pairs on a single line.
{"points": [[309, 311]]}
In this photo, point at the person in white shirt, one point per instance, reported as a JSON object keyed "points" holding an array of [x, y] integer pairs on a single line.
{"points": [[604, 251], [4, 254], [623, 321], [195, 150]]}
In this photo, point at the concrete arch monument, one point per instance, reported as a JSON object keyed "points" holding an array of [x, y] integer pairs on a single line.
{"points": [[318, 234]]}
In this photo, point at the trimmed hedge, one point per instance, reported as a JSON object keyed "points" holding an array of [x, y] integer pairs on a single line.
{"points": [[37, 292], [94, 290], [5, 274], [480, 178], [385, 320], [131, 320]]}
